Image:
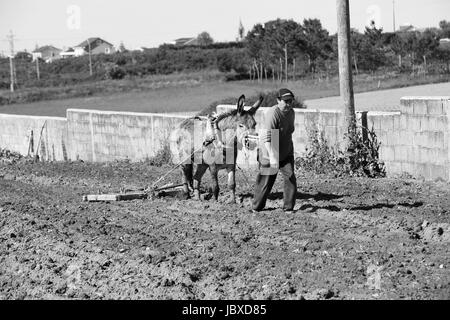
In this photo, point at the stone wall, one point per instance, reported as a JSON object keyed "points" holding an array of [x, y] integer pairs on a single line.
{"points": [[414, 140], [31, 135], [107, 136]]}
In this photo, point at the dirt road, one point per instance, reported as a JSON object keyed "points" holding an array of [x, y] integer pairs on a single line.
{"points": [[382, 100], [349, 239]]}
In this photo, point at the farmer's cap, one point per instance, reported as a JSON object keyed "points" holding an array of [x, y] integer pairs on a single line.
{"points": [[285, 94]]}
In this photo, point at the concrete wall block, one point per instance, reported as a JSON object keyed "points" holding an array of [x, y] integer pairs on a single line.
{"points": [[415, 123], [446, 106], [375, 122], [387, 123], [435, 107], [420, 139], [421, 170], [383, 138], [404, 122], [437, 139], [393, 138], [393, 168], [387, 153], [441, 123], [408, 168], [329, 118], [401, 153], [420, 107], [396, 122], [311, 118], [437, 172], [406, 106], [406, 138], [427, 123]]}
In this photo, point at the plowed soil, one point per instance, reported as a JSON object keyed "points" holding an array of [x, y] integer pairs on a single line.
{"points": [[350, 238]]}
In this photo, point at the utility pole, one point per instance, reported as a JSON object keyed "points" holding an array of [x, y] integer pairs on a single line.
{"points": [[90, 60], [393, 14], [11, 62], [345, 68]]}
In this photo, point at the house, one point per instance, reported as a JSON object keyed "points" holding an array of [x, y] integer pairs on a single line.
{"points": [[140, 49], [407, 27], [70, 52], [47, 53], [94, 45], [186, 42]]}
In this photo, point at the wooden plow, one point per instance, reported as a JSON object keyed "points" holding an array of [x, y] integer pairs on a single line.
{"points": [[128, 194]]}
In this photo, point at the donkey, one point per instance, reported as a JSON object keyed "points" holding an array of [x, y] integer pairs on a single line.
{"points": [[212, 145]]}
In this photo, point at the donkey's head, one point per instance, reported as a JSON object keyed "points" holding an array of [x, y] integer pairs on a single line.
{"points": [[241, 122]]}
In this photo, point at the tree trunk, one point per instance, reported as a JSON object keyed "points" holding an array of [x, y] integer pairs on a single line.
{"points": [[425, 63], [399, 60], [261, 65], [356, 64], [293, 70], [37, 69], [256, 69], [345, 70], [281, 71], [285, 62]]}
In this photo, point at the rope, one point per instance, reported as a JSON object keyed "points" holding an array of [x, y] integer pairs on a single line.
{"points": [[176, 166]]}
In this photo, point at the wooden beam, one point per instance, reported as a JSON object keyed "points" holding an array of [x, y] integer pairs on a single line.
{"points": [[115, 196]]}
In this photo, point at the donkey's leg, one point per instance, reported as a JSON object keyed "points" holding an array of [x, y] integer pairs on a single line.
{"points": [[232, 182], [215, 180], [187, 178], [199, 172]]}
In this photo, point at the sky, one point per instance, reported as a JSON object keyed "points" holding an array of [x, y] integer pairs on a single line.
{"points": [[149, 23]]}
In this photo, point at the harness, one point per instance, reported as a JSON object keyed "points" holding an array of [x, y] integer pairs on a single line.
{"points": [[213, 133]]}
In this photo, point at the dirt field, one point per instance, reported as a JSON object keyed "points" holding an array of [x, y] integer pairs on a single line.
{"points": [[349, 239]]}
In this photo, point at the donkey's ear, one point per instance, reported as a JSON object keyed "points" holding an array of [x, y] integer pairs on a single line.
{"points": [[240, 104], [256, 105]]}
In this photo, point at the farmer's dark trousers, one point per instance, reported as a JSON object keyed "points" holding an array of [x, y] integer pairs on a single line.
{"points": [[264, 184]]}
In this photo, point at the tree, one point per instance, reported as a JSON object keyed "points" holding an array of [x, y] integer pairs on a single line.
{"points": [[443, 54], [241, 32], [426, 45], [316, 41], [24, 56], [204, 39], [255, 46], [122, 47], [445, 29], [284, 40], [398, 46], [371, 52]]}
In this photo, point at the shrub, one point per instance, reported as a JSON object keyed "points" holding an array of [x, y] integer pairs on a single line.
{"points": [[113, 71], [361, 158], [162, 157]]}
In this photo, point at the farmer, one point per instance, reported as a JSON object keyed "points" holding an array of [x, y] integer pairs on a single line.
{"points": [[276, 152]]}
